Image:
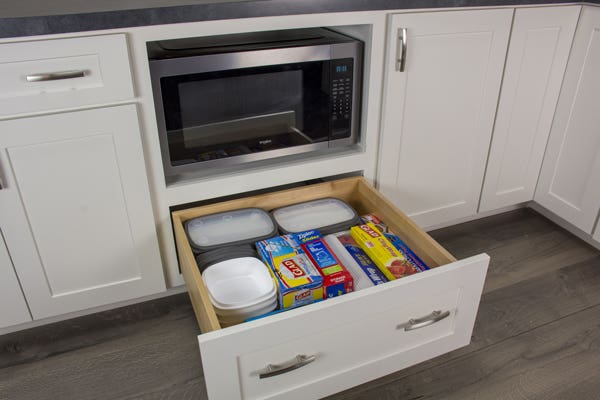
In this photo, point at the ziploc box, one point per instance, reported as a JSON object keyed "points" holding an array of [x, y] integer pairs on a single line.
{"points": [[336, 278], [388, 259], [298, 280], [407, 252]]}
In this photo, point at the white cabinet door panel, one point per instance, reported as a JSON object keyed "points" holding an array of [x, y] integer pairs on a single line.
{"points": [[82, 231], [77, 212], [439, 113], [13, 309], [569, 183], [537, 57]]}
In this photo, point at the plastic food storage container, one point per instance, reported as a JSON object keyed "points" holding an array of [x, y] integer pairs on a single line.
{"points": [[328, 215], [230, 228], [240, 288], [208, 258]]}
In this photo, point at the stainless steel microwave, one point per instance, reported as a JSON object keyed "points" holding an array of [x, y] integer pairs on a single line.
{"points": [[235, 99]]}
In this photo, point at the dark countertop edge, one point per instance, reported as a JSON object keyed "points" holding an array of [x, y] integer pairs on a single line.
{"points": [[69, 23]]}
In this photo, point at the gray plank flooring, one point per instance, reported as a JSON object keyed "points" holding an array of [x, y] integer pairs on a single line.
{"points": [[537, 334]]}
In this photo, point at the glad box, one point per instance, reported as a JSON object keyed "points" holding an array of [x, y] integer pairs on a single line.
{"points": [[336, 278], [388, 259], [298, 280]]}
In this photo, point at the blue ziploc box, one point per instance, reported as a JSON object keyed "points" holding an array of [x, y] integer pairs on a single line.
{"points": [[298, 280], [336, 278], [408, 253]]}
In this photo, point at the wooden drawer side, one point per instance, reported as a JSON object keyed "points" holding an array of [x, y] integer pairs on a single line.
{"points": [[419, 241], [205, 313]]}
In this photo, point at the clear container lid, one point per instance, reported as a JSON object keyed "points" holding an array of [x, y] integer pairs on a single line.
{"points": [[228, 228], [314, 214]]}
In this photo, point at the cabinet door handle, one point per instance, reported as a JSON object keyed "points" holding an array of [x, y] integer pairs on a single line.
{"points": [[401, 49], [277, 369], [55, 76], [421, 322]]}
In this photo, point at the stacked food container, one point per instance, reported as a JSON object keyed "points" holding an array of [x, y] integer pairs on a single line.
{"points": [[239, 284]]}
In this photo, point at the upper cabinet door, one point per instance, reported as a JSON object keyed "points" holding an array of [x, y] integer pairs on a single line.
{"points": [[537, 57], [569, 183], [76, 211], [439, 106], [13, 309]]}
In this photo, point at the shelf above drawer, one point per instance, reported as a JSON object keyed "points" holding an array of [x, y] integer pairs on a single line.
{"points": [[349, 339], [64, 73]]}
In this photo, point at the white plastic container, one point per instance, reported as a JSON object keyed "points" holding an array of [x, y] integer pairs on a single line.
{"points": [[328, 215], [247, 225], [238, 282]]}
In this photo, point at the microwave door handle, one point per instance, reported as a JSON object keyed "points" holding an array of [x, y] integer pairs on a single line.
{"points": [[244, 59]]}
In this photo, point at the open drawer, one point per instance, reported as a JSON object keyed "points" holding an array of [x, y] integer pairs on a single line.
{"points": [[323, 348]]}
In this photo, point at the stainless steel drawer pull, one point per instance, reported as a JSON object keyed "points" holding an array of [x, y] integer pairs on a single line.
{"points": [[416, 323], [277, 369], [401, 49], [55, 76]]}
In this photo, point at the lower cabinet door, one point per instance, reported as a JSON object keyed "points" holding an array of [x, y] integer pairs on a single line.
{"points": [[439, 105], [76, 210], [13, 309], [569, 183], [330, 346], [539, 48]]}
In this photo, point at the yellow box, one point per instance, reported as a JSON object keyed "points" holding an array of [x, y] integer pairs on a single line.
{"points": [[387, 258]]}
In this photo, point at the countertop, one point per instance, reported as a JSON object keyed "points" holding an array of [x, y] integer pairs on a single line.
{"points": [[33, 17]]}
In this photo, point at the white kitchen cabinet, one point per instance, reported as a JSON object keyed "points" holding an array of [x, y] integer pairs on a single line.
{"points": [[438, 113], [13, 309], [65, 73], [539, 48], [569, 183], [76, 211]]}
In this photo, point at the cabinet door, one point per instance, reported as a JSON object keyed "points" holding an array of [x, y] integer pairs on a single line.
{"points": [[13, 309], [569, 183], [439, 112], [537, 57], [81, 229]]}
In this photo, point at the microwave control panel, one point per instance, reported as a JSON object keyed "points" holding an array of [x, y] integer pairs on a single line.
{"points": [[341, 97]]}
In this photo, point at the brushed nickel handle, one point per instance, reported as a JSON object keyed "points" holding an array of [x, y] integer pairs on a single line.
{"points": [[55, 76], [421, 322], [401, 49], [277, 369]]}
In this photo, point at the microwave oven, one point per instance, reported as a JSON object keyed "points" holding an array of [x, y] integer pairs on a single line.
{"points": [[229, 100]]}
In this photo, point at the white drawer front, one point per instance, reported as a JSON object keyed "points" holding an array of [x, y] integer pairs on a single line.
{"points": [[64, 73], [354, 338]]}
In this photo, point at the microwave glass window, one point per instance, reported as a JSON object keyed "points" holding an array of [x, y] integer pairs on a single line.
{"points": [[229, 113]]}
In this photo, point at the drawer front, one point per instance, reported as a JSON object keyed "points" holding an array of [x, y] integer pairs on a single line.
{"points": [[354, 338], [347, 340], [63, 73]]}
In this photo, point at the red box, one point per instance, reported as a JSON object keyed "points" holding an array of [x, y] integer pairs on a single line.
{"points": [[336, 278]]}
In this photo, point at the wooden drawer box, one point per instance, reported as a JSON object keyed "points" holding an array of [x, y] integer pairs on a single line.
{"points": [[344, 341], [64, 73]]}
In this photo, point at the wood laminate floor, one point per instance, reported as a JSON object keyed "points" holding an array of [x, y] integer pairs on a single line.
{"points": [[537, 334]]}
